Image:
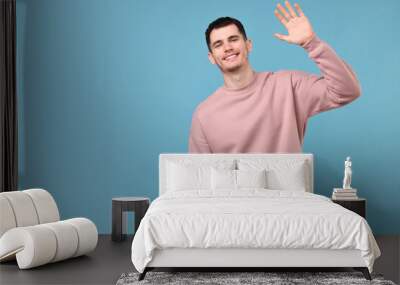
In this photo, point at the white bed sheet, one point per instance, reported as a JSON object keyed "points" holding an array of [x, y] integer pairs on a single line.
{"points": [[250, 218]]}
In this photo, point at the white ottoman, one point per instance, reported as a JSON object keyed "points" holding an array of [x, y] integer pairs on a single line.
{"points": [[31, 232]]}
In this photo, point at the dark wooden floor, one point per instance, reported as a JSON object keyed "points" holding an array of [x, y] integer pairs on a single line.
{"points": [[111, 259]]}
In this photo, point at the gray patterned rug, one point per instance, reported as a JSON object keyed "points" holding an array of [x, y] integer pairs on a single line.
{"points": [[270, 278]]}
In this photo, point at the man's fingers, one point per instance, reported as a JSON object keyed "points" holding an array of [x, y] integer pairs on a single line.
{"points": [[299, 11], [283, 11], [280, 18], [290, 8]]}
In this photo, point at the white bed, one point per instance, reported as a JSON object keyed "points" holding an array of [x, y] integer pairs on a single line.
{"points": [[289, 226]]}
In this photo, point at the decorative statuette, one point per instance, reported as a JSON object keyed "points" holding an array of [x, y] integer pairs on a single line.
{"points": [[347, 173]]}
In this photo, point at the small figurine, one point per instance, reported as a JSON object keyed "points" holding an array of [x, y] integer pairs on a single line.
{"points": [[347, 174]]}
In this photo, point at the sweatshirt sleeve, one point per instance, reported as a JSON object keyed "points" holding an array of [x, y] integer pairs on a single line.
{"points": [[337, 86], [197, 140]]}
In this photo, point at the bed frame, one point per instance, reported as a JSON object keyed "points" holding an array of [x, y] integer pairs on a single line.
{"points": [[242, 259]]}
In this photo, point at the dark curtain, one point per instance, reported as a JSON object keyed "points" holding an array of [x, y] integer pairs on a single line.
{"points": [[8, 99]]}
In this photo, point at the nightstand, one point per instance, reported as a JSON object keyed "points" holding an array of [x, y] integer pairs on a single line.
{"points": [[358, 205], [120, 206]]}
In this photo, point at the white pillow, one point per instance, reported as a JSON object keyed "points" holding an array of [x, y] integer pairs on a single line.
{"points": [[282, 174], [251, 178], [187, 174], [223, 179], [236, 179]]}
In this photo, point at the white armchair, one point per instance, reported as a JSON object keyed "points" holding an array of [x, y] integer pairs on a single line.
{"points": [[31, 230]]}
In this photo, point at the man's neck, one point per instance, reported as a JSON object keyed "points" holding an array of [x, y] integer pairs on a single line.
{"points": [[239, 78]]}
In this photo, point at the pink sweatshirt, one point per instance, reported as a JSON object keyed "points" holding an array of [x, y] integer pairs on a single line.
{"points": [[270, 114]]}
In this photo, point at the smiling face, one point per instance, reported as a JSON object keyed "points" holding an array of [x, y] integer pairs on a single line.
{"points": [[229, 49]]}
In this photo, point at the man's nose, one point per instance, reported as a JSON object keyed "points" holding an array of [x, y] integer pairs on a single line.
{"points": [[227, 47]]}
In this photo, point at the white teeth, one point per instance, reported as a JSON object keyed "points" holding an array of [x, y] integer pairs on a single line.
{"points": [[230, 57]]}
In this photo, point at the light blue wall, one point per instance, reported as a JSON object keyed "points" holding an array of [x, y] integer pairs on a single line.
{"points": [[107, 85]]}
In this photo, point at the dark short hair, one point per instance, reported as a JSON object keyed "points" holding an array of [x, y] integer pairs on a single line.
{"points": [[223, 22]]}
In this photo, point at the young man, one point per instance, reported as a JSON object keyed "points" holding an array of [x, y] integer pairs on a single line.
{"points": [[267, 112]]}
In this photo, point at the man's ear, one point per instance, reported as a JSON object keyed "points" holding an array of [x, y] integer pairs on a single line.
{"points": [[211, 58], [249, 45]]}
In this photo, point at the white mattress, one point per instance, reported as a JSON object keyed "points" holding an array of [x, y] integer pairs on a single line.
{"points": [[251, 218]]}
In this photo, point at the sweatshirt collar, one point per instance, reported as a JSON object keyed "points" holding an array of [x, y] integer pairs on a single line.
{"points": [[243, 90]]}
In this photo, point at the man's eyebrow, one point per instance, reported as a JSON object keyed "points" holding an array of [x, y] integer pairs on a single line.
{"points": [[233, 37]]}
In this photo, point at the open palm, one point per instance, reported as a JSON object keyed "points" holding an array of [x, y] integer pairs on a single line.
{"points": [[298, 26]]}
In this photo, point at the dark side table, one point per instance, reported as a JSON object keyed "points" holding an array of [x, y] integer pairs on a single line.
{"points": [[120, 206], [357, 205]]}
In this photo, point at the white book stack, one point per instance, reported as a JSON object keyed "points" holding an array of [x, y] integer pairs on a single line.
{"points": [[344, 194]]}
